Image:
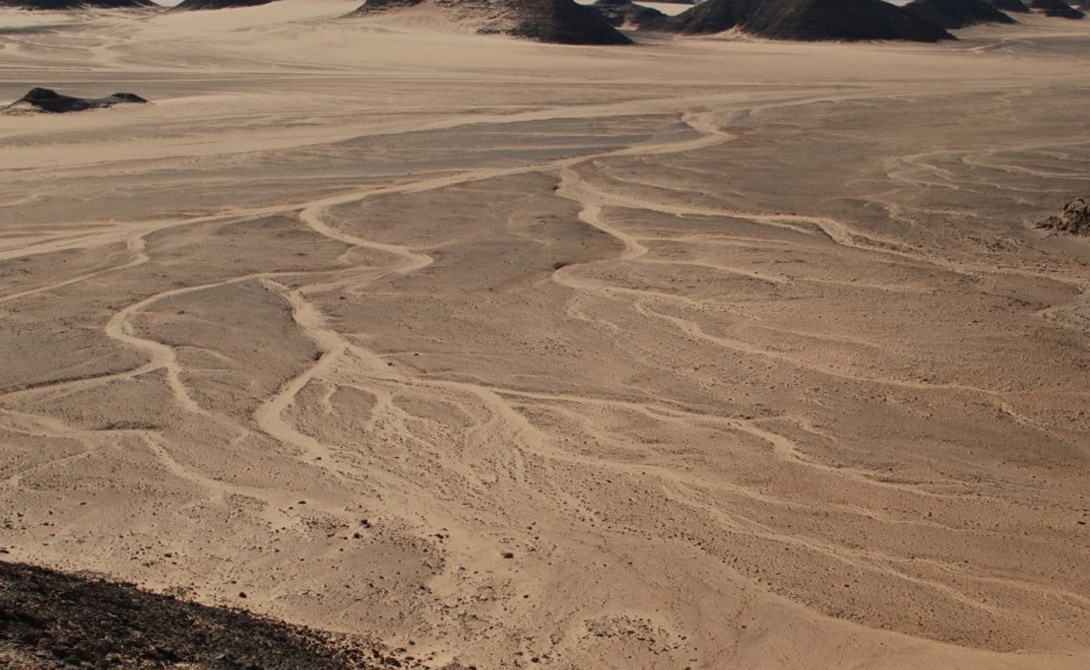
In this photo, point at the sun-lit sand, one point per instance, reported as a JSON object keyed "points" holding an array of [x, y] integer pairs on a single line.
{"points": [[706, 353]]}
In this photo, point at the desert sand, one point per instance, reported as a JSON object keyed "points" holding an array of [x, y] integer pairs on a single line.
{"points": [[704, 352]]}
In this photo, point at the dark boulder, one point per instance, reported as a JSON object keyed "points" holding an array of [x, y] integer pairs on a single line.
{"points": [[374, 6], [219, 4], [48, 100], [1074, 219]]}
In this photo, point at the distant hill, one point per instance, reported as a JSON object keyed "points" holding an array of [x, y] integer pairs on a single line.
{"points": [[1016, 6], [220, 4], [809, 20], [556, 21], [77, 4], [952, 14], [1057, 8]]}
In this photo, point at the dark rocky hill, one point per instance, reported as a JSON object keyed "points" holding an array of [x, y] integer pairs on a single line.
{"points": [[556, 21], [1016, 6], [1057, 8], [809, 20], [952, 14]]}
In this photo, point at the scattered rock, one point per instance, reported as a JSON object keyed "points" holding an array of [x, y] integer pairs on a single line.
{"points": [[48, 100], [1074, 219]]}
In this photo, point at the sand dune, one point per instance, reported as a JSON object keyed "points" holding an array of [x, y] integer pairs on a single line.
{"points": [[711, 352]]}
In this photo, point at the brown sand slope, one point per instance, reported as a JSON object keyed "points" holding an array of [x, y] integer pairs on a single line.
{"points": [[713, 353]]}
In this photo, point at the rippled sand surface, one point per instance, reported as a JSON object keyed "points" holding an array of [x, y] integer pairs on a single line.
{"points": [[703, 353]]}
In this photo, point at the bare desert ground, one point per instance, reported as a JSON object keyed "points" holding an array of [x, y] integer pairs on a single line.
{"points": [[707, 353]]}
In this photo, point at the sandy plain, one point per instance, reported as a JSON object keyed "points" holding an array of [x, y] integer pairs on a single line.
{"points": [[702, 353]]}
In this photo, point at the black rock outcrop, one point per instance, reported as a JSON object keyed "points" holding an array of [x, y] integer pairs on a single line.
{"points": [[48, 100], [373, 6], [219, 4], [556, 21], [1075, 218], [1057, 8], [809, 20], [952, 14], [78, 4]]}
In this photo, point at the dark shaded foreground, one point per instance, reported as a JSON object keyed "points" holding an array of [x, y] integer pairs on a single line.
{"points": [[50, 619]]}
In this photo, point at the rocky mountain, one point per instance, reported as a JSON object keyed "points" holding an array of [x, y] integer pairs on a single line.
{"points": [[809, 20], [557, 21], [952, 14], [1057, 8]]}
